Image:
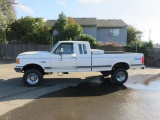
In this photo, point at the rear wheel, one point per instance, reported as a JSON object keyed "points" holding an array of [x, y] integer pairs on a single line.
{"points": [[32, 78], [119, 76]]}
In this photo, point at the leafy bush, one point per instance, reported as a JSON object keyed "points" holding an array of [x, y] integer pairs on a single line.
{"points": [[141, 47], [110, 46], [67, 28], [29, 30], [133, 34], [42, 36], [89, 38], [113, 44]]}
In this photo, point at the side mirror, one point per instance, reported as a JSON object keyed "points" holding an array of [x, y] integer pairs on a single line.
{"points": [[61, 51]]}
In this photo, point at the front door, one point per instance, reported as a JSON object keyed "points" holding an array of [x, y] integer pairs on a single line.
{"points": [[66, 61]]}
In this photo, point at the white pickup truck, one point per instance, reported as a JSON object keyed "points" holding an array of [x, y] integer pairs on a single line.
{"points": [[76, 56]]}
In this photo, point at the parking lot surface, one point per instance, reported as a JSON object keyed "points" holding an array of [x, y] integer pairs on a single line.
{"points": [[80, 96]]}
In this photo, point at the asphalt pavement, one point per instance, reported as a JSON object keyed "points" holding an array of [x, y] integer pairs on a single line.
{"points": [[80, 96]]}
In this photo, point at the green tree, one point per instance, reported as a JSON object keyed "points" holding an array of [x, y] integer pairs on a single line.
{"points": [[72, 29], [66, 28], [7, 12], [60, 26], [7, 16], [29, 30], [42, 36], [89, 38], [149, 44], [141, 47], [133, 34]]}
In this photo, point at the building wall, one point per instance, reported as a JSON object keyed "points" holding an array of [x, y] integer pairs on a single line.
{"points": [[90, 30], [103, 35]]}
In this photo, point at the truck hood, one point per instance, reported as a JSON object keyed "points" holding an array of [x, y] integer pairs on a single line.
{"points": [[34, 53]]}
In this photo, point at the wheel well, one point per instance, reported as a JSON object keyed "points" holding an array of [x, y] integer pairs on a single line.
{"points": [[33, 66], [121, 65]]}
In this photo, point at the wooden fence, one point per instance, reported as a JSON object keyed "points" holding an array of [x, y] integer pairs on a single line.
{"points": [[10, 51]]}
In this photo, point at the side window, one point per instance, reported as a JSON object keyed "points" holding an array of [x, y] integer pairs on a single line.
{"points": [[67, 48], [114, 32], [57, 51], [84, 49], [80, 49]]}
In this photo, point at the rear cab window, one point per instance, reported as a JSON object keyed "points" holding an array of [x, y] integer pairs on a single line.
{"points": [[82, 48]]}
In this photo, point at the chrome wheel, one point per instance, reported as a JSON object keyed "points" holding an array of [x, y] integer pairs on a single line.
{"points": [[120, 76], [32, 78]]}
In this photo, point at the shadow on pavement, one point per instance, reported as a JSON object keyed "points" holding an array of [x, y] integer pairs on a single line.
{"points": [[14, 89], [91, 86]]}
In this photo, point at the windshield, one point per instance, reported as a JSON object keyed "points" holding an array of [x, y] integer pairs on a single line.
{"points": [[54, 47]]}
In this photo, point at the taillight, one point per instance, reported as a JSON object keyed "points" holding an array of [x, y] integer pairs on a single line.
{"points": [[143, 60]]}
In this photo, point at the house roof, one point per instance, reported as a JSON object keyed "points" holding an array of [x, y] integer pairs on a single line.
{"points": [[86, 21], [81, 21], [94, 22], [111, 23], [50, 23]]}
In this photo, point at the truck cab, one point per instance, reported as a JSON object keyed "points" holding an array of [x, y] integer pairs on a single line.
{"points": [[75, 56]]}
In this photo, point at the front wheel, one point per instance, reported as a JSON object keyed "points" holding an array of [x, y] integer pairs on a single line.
{"points": [[119, 76], [32, 78]]}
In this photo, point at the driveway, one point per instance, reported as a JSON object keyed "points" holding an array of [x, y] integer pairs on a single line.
{"points": [[85, 96]]}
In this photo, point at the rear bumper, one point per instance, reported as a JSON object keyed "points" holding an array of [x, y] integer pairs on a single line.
{"points": [[143, 67], [137, 66]]}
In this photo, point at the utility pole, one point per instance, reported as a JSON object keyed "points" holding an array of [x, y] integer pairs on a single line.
{"points": [[149, 34], [136, 46]]}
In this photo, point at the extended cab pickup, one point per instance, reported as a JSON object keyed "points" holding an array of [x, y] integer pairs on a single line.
{"points": [[76, 56]]}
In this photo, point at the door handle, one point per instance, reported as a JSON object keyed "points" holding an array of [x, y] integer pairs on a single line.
{"points": [[74, 55]]}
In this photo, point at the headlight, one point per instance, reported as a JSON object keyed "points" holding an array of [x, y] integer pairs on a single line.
{"points": [[17, 60]]}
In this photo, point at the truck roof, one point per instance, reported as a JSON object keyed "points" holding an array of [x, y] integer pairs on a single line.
{"points": [[73, 41]]}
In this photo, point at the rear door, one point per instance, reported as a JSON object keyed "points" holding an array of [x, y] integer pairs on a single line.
{"points": [[83, 57]]}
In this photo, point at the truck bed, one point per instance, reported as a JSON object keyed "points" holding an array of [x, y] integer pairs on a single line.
{"points": [[114, 52]]}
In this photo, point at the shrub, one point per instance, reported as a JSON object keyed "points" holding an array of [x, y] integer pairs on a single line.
{"points": [[113, 44], [89, 38], [109, 46], [141, 47]]}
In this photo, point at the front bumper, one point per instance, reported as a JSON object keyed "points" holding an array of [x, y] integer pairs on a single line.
{"points": [[18, 69]]}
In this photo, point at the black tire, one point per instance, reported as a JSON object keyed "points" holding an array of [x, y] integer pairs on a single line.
{"points": [[105, 73], [32, 78], [119, 76]]}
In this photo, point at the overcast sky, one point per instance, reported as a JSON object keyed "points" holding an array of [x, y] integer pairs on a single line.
{"points": [[142, 14]]}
